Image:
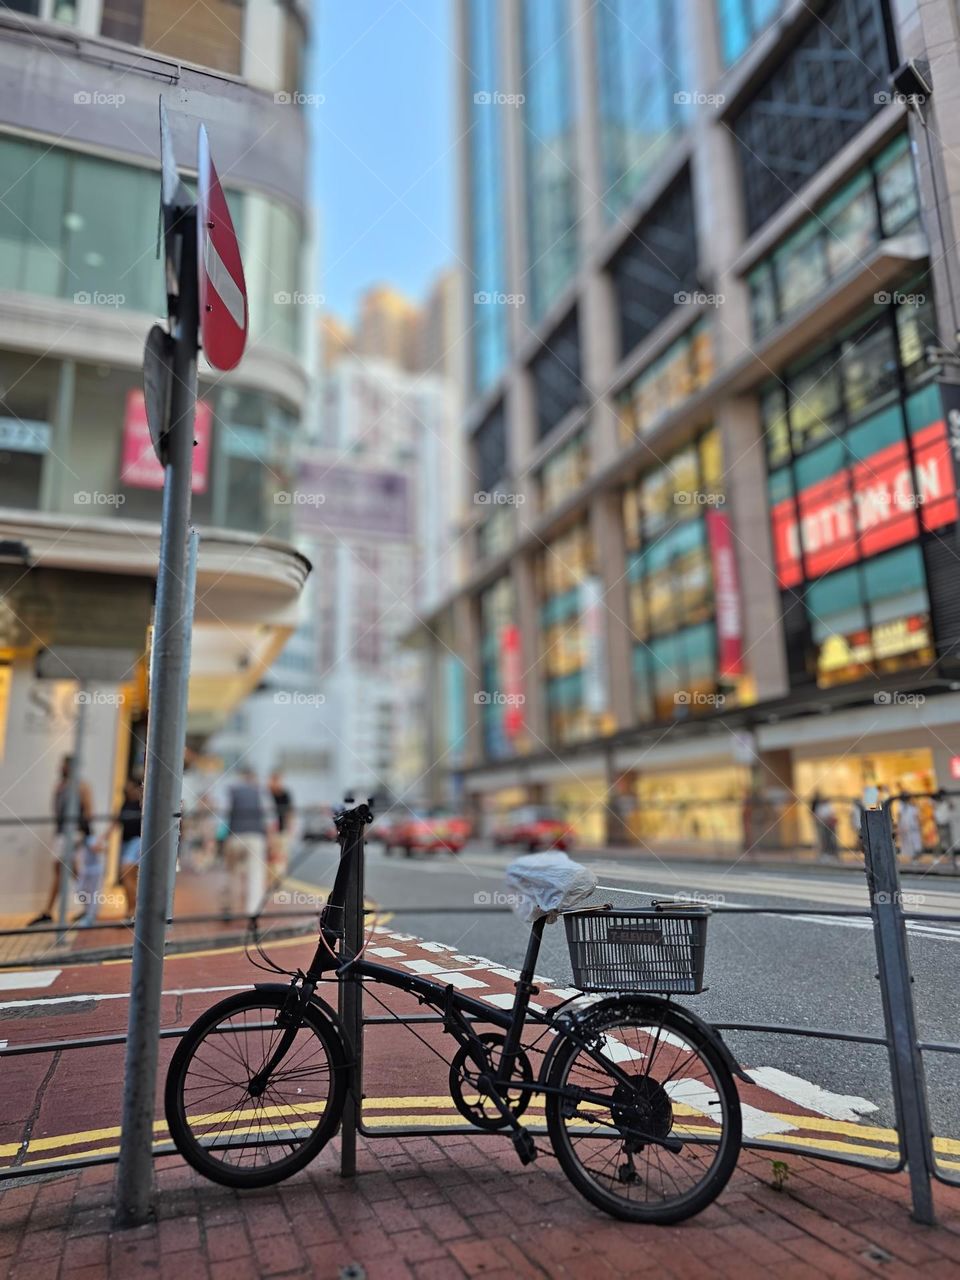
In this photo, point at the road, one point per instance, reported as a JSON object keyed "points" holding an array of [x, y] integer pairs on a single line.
{"points": [[445, 911]]}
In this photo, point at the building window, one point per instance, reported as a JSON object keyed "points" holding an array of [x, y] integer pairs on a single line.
{"points": [[657, 262], [881, 201], [548, 118], [486, 165], [822, 93], [490, 451], [564, 472], [741, 21], [685, 368], [572, 638], [556, 376], [640, 81], [670, 592]]}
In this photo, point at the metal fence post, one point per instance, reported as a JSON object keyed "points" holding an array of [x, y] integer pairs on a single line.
{"points": [[893, 971], [350, 1000]]}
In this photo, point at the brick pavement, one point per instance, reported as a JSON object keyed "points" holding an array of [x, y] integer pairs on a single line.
{"points": [[438, 1209]]}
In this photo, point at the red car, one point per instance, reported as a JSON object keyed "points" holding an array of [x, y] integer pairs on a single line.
{"points": [[534, 828], [425, 833]]}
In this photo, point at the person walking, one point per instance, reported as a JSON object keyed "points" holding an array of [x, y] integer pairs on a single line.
{"points": [[246, 849], [825, 821], [278, 844], [130, 822], [80, 839], [908, 829]]}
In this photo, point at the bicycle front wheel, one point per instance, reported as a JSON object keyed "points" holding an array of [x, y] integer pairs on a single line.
{"points": [[241, 1131], [646, 1123]]}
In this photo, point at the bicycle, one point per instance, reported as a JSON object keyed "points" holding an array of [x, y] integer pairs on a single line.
{"points": [[642, 1110]]}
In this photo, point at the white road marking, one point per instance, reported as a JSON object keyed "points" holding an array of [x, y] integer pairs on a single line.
{"points": [[703, 1098], [838, 1106], [425, 967], [617, 1051], [48, 1002], [32, 978], [386, 952], [505, 1001], [462, 980], [435, 946]]}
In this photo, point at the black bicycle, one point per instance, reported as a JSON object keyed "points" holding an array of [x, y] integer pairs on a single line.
{"points": [[640, 1101]]}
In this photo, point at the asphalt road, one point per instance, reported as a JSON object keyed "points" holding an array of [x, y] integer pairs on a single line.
{"points": [[796, 971]]}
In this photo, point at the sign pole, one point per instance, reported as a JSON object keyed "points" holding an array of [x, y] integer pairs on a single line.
{"points": [[164, 764]]}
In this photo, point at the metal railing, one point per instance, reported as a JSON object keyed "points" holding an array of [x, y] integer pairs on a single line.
{"points": [[901, 1040]]}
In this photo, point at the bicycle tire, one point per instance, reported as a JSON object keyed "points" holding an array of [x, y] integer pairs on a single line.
{"points": [[187, 1141], [604, 1020]]}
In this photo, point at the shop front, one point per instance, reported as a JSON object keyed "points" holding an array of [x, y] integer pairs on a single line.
{"points": [[703, 806], [851, 777]]}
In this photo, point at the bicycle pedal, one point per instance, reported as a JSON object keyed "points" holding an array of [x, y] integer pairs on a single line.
{"points": [[524, 1146]]}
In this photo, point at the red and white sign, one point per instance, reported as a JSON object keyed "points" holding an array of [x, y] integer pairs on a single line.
{"points": [[223, 290], [140, 467], [955, 767], [866, 508], [726, 590], [511, 667]]}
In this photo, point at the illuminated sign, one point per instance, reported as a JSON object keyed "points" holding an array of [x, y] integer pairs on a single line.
{"points": [[726, 590], [844, 657], [866, 508], [511, 668]]}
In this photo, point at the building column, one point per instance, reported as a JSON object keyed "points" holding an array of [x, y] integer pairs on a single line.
{"points": [[466, 629], [55, 464], [606, 530]]}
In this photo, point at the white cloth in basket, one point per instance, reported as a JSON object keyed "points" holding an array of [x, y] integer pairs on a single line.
{"points": [[545, 883]]}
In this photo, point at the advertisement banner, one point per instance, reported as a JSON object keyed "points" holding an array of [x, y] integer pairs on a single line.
{"points": [[726, 590], [140, 467], [867, 508], [594, 643], [511, 670], [345, 500]]}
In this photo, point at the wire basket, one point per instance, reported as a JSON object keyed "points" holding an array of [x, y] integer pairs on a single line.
{"points": [[661, 951]]}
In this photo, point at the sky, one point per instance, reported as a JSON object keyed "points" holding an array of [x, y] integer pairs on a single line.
{"points": [[382, 145]]}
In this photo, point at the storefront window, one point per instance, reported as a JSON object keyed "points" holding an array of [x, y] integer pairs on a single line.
{"points": [[564, 472], [497, 639], [684, 368], [692, 805], [882, 200]]}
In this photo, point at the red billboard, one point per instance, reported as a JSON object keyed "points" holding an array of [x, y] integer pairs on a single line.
{"points": [[866, 508], [726, 590], [140, 468]]}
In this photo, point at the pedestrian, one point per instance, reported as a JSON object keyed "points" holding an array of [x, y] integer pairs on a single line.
{"points": [[278, 845], [908, 829], [130, 822], [825, 821], [67, 846], [246, 848]]}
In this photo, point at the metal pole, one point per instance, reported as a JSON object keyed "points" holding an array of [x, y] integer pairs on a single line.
{"points": [[190, 594], [164, 762], [350, 1000], [893, 966], [71, 815]]}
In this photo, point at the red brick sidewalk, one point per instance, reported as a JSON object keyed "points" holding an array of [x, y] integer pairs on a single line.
{"points": [[436, 1209]]}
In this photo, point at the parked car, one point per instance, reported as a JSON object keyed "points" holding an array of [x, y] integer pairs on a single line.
{"points": [[425, 833], [534, 827]]}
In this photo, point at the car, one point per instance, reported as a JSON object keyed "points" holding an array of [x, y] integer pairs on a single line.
{"points": [[425, 833], [534, 827]]}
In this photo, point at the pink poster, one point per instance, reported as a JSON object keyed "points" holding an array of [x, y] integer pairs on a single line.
{"points": [[726, 589], [139, 467]]}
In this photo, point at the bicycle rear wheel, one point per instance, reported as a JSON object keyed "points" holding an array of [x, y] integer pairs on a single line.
{"points": [[251, 1139], [658, 1133]]}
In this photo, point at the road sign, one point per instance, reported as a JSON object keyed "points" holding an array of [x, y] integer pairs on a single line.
{"points": [[223, 291]]}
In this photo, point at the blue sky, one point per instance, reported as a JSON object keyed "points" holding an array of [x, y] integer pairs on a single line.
{"points": [[383, 168]]}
